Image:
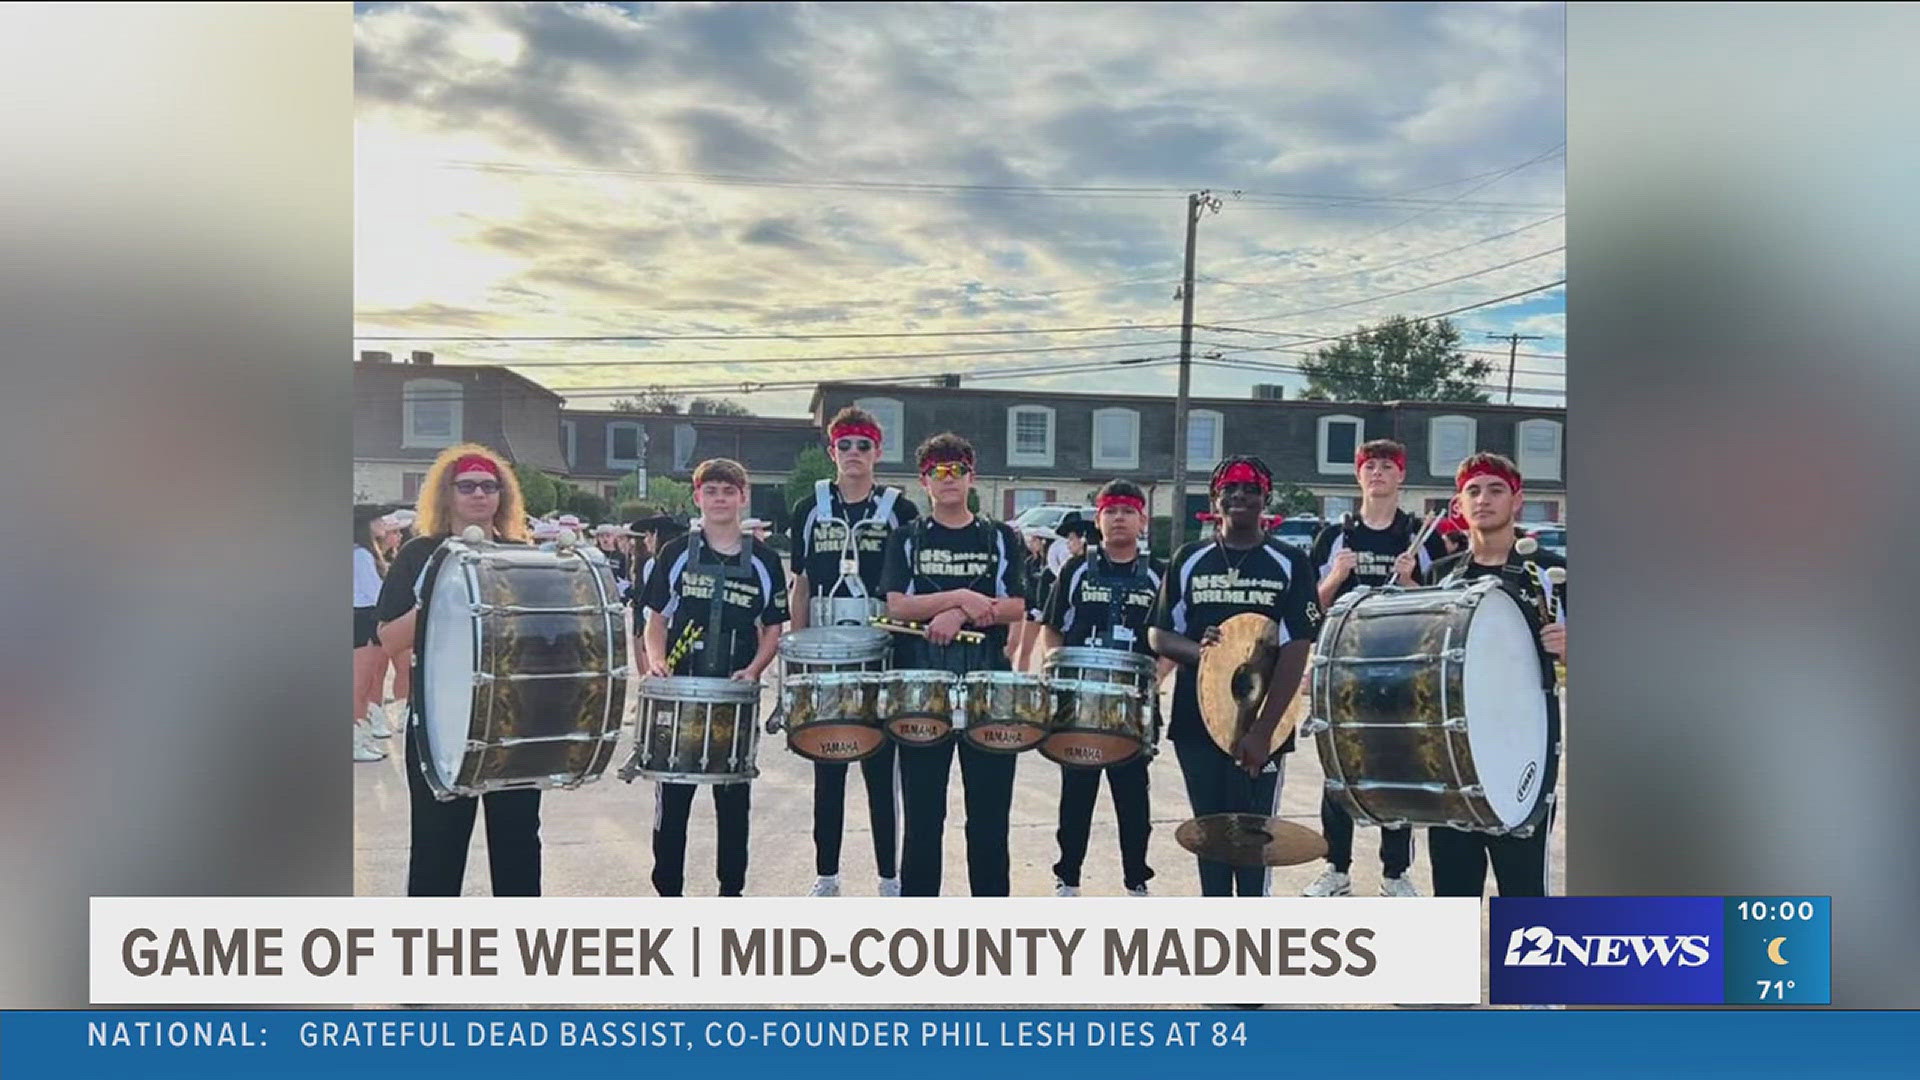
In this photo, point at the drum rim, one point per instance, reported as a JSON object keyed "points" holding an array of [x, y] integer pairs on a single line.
{"points": [[1094, 656], [699, 688]]}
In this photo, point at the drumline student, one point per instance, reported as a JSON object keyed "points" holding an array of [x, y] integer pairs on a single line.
{"points": [[1239, 569], [718, 564], [953, 569], [1372, 551], [369, 659], [467, 485], [1490, 497], [818, 534], [1105, 599]]}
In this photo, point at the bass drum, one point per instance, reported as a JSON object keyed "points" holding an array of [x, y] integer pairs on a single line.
{"points": [[1430, 708], [522, 671]]}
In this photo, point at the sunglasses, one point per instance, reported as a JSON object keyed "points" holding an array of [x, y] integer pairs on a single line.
{"points": [[847, 446], [484, 487], [948, 470]]}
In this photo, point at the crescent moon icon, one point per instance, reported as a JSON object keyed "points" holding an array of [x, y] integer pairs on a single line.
{"points": [[1773, 951]]}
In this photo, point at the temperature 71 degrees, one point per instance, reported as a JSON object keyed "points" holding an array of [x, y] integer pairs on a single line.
{"points": [[1774, 988]]}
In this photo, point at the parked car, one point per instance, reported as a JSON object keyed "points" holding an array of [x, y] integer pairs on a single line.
{"points": [[1298, 531], [1552, 538]]}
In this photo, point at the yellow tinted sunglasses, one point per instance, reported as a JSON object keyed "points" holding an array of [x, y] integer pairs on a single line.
{"points": [[948, 470]]}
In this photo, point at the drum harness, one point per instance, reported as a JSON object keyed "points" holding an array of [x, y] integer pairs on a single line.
{"points": [[979, 528], [881, 517], [711, 655]]}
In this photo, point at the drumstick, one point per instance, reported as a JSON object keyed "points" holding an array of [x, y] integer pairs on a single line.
{"points": [[688, 636], [901, 626], [1556, 576]]}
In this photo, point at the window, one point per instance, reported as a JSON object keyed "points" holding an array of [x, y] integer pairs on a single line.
{"points": [[410, 486], [610, 492], [1340, 436], [1538, 446], [1116, 439], [893, 426], [431, 414], [569, 438], [1450, 440], [1205, 432], [1332, 506], [625, 443], [1021, 500], [1539, 512], [1030, 435]]}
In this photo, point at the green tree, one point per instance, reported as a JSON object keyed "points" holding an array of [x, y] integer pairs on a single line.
{"points": [[633, 510], [704, 406], [1290, 499], [537, 489], [587, 506], [812, 464], [1400, 359], [655, 401], [670, 495]]}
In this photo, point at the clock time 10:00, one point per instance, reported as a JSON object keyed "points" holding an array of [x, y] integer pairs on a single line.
{"points": [[1786, 911]]}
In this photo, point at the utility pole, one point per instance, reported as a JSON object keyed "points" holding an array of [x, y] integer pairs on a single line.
{"points": [[1513, 349], [1197, 202]]}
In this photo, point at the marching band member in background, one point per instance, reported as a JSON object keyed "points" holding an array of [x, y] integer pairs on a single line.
{"points": [[1105, 599], [819, 536], [468, 485], [1238, 569], [717, 565], [1373, 550], [952, 569], [1489, 499]]}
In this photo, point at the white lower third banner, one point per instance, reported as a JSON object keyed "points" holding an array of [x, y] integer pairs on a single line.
{"points": [[842, 952]]}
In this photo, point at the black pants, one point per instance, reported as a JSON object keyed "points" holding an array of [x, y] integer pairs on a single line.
{"points": [[1460, 861], [1396, 845], [988, 781], [440, 832], [830, 811], [672, 807], [1216, 784], [1079, 790]]}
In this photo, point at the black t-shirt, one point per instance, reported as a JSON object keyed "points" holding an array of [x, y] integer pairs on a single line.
{"points": [[1375, 550], [928, 557], [1104, 603], [1517, 580], [682, 591], [818, 538], [398, 590], [1207, 584]]}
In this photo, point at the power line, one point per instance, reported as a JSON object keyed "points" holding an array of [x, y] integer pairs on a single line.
{"points": [[1415, 318], [840, 336], [736, 360], [1402, 292], [1257, 286], [1243, 366]]}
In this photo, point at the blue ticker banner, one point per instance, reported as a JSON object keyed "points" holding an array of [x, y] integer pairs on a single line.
{"points": [[933, 1045], [1691, 950]]}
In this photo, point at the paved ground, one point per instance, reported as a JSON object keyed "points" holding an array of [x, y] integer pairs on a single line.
{"points": [[597, 838]]}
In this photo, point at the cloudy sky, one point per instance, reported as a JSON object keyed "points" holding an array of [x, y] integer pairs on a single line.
{"points": [[736, 184]]}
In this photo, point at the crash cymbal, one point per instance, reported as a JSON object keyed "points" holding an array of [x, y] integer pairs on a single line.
{"points": [[1251, 840], [1233, 681]]}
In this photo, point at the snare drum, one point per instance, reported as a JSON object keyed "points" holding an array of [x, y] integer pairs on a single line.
{"points": [[1088, 664], [921, 706], [1430, 708], [523, 669], [1096, 724], [693, 730], [829, 701], [1007, 711], [841, 611]]}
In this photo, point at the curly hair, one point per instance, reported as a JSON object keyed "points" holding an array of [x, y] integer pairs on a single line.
{"points": [[1254, 463], [436, 492]]}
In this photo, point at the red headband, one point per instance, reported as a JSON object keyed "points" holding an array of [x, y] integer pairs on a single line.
{"points": [[1134, 501], [1398, 457], [1242, 473], [1486, 468], [940, 457], [475, 463], [855, 428]]}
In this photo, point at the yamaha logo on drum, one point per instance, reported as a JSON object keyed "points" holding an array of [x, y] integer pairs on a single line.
{"points": [[1526, 780]]}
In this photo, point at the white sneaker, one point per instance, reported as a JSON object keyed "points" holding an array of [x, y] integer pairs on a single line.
{"points": [[889, 886], [1397, 886], [377, 722], [826, 886], [397, 715], [1330, 883], [1138, 890], [1061, 888], [364, 748]]}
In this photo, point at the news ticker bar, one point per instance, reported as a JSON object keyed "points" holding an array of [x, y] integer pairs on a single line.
{"points": [[1755, 951], [937, 1044]]}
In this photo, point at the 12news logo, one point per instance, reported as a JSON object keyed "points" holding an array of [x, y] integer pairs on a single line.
{"points": [[1539, 946]]}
